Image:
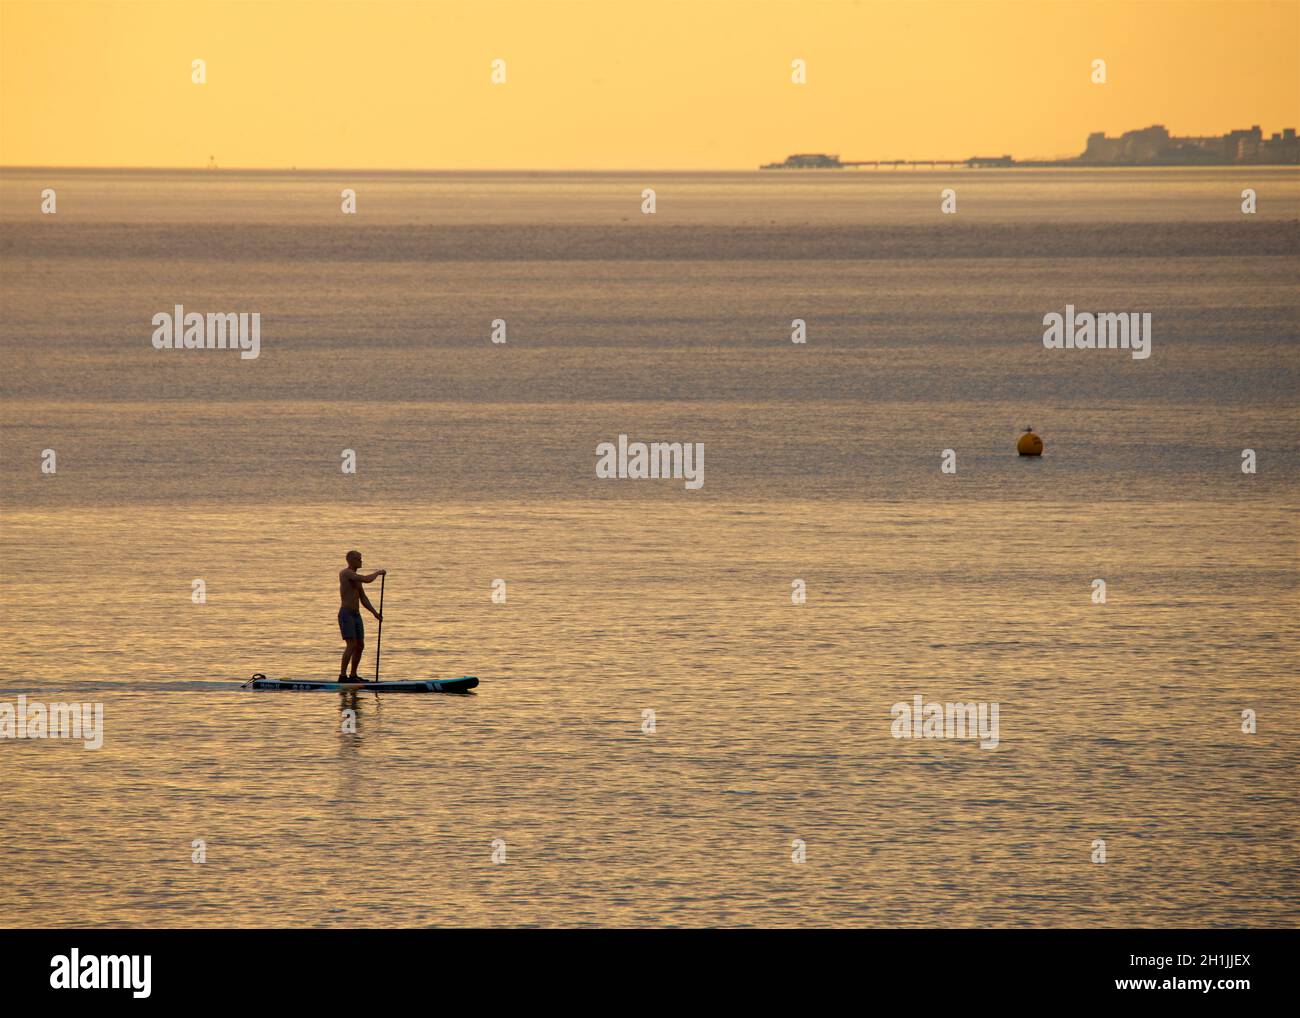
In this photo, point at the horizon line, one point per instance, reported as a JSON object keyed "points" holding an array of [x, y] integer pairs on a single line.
{"points": [[568, 169], [191, 167]]}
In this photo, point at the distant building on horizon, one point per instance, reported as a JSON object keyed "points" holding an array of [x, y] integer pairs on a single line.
{"points": [[1155, 146], [1148, 146], [807, 161]]}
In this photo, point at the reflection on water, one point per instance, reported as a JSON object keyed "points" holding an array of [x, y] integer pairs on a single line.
{"points": [[1119, 722]]}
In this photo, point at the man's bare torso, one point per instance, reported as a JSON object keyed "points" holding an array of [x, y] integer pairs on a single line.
{"points": [[350, 590]]}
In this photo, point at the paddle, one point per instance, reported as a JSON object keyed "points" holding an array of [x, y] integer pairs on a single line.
{"points": [[379, 639]]}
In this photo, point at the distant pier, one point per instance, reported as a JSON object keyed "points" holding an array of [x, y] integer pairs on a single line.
{"points": [[974, 161], [821, 161]]}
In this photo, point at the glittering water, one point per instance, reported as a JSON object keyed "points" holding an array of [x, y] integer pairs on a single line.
{"points": [[476, 461]]}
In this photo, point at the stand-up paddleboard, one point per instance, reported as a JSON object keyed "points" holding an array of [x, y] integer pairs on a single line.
{"points": [[461, 685]]}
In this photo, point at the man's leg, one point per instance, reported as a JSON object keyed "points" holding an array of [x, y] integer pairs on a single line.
{"points": [[357, 647], [347, 654]]}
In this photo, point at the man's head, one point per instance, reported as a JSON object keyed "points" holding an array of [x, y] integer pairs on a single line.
{"points": [[354, 559]]}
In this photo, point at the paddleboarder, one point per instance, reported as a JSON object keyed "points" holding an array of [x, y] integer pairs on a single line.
{"points": [[351, 627]]}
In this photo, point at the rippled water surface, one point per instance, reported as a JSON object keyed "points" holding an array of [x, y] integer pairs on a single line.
{"points": [[1119, 722]]}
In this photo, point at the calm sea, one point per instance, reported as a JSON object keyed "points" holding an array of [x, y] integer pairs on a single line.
{"points": [[1119, 722]]}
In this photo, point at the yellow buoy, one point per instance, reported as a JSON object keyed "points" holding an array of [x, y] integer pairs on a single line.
{"points": [[1029, 444]]}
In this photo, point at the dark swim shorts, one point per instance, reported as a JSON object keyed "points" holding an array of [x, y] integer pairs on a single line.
{"points": [[351, 626]]}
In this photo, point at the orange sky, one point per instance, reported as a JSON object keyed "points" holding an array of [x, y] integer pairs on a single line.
{"points": [[624, 83]]}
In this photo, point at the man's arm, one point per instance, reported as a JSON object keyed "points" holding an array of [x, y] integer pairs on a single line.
{"points": [[369, 607], [356, 577]]}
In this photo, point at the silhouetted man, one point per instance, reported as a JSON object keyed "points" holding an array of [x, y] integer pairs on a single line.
{"points": [[350, 624]]}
